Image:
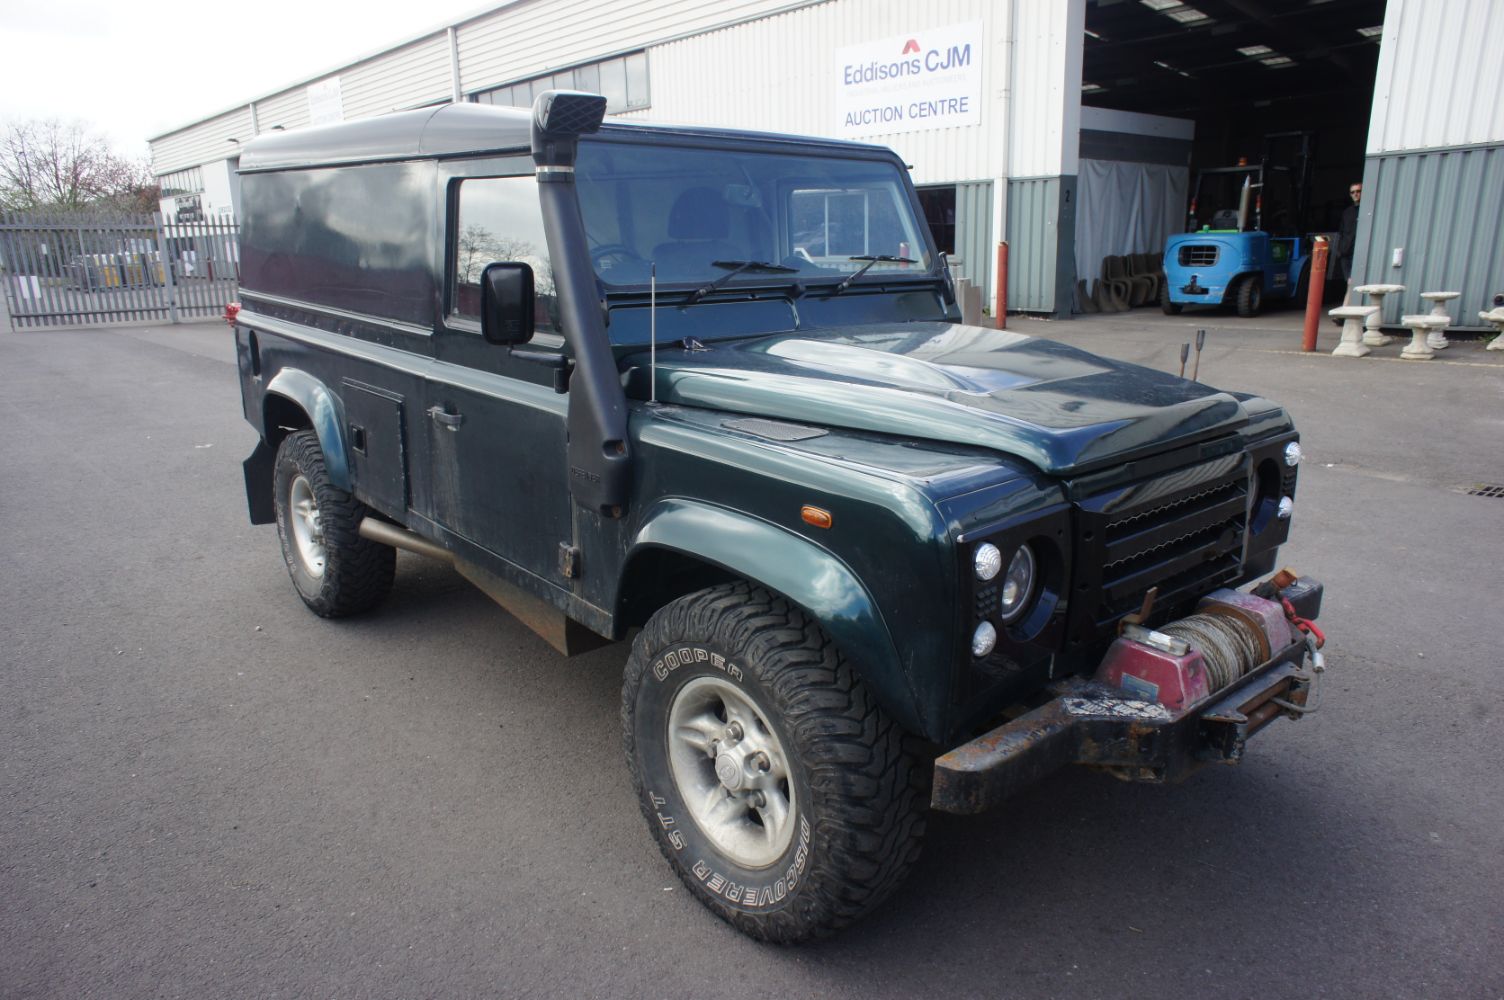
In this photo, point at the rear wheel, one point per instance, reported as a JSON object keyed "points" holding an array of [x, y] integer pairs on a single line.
{"points": [[336, 572], [1170, 308], [1250, 299], [778, 790]]}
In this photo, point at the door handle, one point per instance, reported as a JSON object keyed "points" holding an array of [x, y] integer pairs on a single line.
{"points": [[449, 420]]}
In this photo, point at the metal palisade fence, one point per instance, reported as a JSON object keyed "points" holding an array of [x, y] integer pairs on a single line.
{"points": [[67, 269]]}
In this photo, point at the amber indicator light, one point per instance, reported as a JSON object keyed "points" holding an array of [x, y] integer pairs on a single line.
{"points": [[814, 515]]}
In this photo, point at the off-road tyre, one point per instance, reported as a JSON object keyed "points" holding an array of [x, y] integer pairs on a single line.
{"points": [[1169, 308], [1250, 299], [858, 790], [356, 572]]}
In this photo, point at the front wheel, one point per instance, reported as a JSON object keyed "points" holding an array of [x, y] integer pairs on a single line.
{"points": [[775, 786], [336, 571]]}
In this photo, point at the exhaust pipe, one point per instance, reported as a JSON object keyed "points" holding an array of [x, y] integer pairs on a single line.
{"points": [[401, 538], [555, 627]]}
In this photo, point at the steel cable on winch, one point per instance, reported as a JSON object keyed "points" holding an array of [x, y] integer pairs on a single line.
{"points": [[1229, 646]]}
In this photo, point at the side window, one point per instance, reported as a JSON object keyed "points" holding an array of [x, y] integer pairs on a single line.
{"points": [[499, 220]]}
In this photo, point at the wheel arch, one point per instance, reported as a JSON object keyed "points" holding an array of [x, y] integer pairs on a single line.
{"points": [[296, 400], [684, 546]]}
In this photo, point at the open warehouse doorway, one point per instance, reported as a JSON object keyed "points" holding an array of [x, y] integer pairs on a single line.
{"points": [[1174, 92]]}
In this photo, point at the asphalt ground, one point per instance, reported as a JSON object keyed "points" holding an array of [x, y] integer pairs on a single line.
{"points": [[205, 791]]}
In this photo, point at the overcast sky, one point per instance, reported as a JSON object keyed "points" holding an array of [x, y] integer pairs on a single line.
{"points": [[134, 70]]}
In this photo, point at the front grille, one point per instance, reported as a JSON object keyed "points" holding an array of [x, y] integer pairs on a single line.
{"points": [[1182, 533], [1198, 254]]}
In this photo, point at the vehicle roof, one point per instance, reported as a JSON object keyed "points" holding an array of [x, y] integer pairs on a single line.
{"points": [[454, 130]]}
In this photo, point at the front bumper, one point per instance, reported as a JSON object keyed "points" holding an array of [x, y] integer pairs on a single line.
{"points": [[1091, 723]]}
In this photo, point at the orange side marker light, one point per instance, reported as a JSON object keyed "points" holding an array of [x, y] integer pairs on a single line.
{"points": [[815, 516]]}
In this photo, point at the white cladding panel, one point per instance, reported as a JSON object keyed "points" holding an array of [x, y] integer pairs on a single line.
{"points": [[529, 39], [1135, 123], [1046, 86], [409, 77], [1440, 75], [772, 66], [778, 75], [288, 109], [201, 143]]}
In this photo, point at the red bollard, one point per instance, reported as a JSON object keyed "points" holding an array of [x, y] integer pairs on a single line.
{"points": [[1314, 293], [1000, 307]]}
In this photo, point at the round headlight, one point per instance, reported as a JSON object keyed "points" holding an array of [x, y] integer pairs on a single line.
{"points": [[1018, 584], [988, 561], [1286, 508], [1293, 454], [983, 640]]}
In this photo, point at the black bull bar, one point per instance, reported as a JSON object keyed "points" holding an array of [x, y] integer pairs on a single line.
{"points": [[1093, 724]]}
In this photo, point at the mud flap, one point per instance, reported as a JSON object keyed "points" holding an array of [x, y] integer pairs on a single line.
{"points": [[258, 484]]}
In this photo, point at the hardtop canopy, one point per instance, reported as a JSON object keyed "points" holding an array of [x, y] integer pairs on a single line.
{"points": [[467, 130]]}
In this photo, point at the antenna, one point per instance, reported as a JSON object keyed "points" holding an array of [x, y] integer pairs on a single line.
{"points": [[653, 332]]}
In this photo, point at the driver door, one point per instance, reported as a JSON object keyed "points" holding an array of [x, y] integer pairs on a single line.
{"points": [[495, 425]]}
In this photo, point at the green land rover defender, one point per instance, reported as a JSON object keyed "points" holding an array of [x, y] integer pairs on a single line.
{"points": [[709, 391]]}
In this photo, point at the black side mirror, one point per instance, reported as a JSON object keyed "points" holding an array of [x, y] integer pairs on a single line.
{"points": [[506, 303]]}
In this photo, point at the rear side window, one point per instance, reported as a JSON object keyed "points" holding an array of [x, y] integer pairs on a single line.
{"points": [[498, 219]]}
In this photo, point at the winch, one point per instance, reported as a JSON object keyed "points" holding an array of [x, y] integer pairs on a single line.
{"points": [[1165, 700], [1231, 632]]}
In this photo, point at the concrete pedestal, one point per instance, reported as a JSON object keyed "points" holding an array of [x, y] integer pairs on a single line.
{"points": [[1352, 318], [1373, 335], [1437, 339], [1420, 328], [1495, 318]]}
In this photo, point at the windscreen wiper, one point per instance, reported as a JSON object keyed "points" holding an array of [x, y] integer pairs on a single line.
{"points": [[871, 259], [737, 267]]}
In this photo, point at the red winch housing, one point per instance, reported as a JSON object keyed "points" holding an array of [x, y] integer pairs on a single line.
{"points": [[1160, 666]]}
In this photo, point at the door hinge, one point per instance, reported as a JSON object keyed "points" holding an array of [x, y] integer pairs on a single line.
{"points": [[569, 561]]}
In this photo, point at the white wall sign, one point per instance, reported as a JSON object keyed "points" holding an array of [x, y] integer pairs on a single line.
{"points": [[325, 102], [929, 79]]}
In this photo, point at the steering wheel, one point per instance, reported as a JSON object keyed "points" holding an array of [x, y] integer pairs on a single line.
{"points": [[607, 255]]}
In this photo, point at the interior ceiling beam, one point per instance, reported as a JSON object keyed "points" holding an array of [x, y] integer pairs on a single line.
{"points": [[1263, 16], [1124, 64]]}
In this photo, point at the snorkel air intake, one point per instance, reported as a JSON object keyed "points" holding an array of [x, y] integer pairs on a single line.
{"points": [[600, 460]]}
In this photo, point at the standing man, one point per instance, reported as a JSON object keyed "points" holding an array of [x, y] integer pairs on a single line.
{"points": [[1347, 237]]}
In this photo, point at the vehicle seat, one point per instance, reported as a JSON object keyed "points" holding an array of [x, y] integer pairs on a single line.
{"points": [[1227, 218], [699, 225]]}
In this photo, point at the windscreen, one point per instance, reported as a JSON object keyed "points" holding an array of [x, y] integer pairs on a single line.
{"points": [[683, 209]]}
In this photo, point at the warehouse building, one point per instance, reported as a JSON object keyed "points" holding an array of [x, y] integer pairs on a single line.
{"points": [[1071, 129]]}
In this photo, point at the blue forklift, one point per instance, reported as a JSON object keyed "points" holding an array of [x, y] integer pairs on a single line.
{"points": [[1250, 250]]}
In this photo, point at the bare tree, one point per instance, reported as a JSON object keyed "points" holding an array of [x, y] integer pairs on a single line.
{"points": [[478, 246], [65, 166]]}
